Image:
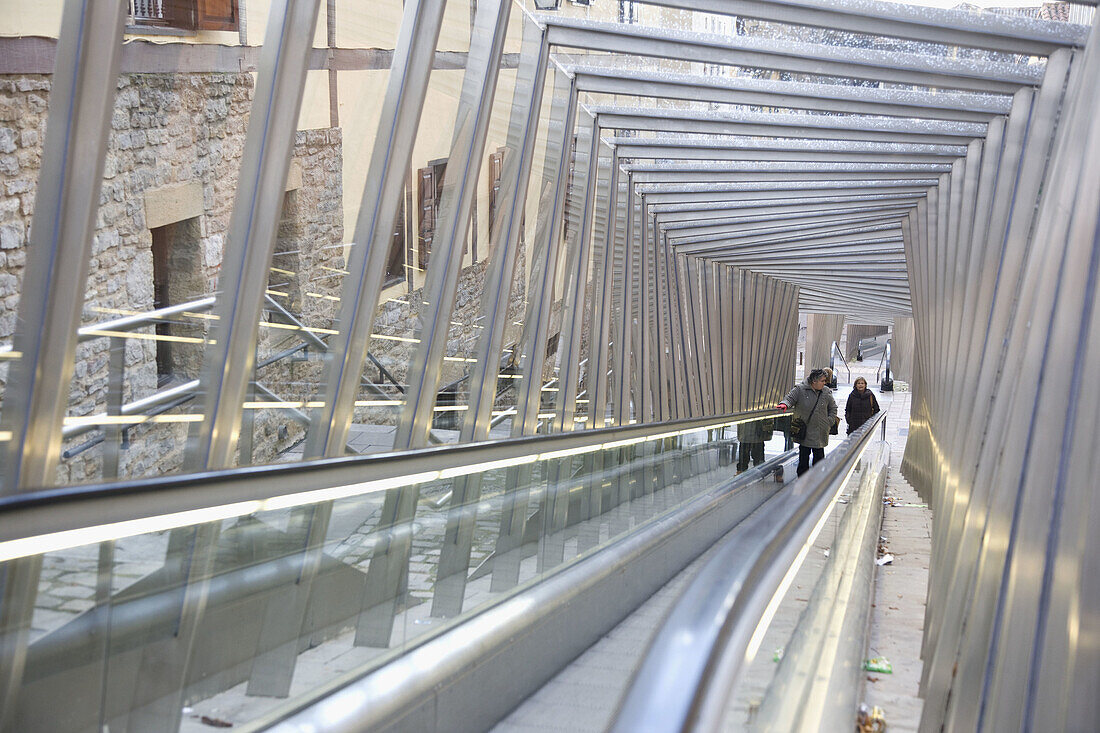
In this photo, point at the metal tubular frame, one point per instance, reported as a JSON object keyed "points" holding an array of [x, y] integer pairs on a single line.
{"points": [[393, 146], [230, 358], [454, 558], [229, 361], [71, 175], [464, 164], [702, 235]]}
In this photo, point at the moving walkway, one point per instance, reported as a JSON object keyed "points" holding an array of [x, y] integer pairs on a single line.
{"points": [[433, 589]]}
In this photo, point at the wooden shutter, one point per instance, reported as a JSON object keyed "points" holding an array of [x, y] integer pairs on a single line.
{"points": [[179, 13], [217, 15]]}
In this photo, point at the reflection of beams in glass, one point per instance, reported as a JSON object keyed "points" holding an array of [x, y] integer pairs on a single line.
{"points": [[289, 327], [50, 542], [150, 337], [128, 419], [395, 338]]}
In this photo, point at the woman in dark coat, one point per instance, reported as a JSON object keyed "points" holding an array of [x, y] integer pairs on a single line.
{"points": [[861, 405]]}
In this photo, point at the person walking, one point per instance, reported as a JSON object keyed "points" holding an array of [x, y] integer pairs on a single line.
{"points": [[861, 405], [812, 403]]}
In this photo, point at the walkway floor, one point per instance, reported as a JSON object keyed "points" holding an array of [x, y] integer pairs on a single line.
{"points": [[583, 696], [901, 589]]}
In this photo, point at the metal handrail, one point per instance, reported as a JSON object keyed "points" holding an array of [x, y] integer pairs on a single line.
{"points": [[187, 390], [385, 373], [832, 361], [150, 318], [886, 359], [47, 511], [706, 642]]}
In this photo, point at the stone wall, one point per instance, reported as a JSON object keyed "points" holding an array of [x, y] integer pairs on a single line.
{"points": [[176, 140], [23, 102], [171, 170], [399, 317]]}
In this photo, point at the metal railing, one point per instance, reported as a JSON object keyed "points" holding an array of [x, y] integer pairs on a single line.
{"points": [[832, 363], [885, 381], [707, 638], [66, 508], [148, 12], [172, 396]]}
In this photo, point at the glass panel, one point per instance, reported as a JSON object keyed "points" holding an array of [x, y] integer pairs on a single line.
{"points": [[332, 154], [173, 159], [237, 614], [485, 250], [394, 334]]}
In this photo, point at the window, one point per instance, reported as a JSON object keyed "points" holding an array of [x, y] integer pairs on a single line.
{"points": [[627, 13], [496, 169], [570, 193], [429, 195], [201, 15]]}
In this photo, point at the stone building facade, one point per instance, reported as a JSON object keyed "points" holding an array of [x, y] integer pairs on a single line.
{"points": [[173, 157], [171, 170]]}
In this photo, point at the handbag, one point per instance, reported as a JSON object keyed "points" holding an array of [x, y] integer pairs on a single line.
{"points": [[798, 429], [835, 429], [799, 426]]}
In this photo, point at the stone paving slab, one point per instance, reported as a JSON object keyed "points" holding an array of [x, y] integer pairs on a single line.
{"points": [[901, 589]]}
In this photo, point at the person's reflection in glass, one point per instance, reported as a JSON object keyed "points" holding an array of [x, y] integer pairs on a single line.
{"points": [[751, 437]]}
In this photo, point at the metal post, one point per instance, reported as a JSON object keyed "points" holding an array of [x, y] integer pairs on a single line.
{"points": [[382, 192], [112, 432], [514, 521], [389, 564], [81, 103], [577, 269], [230, 357], [450, 584], [229, 362], [460, 185]]}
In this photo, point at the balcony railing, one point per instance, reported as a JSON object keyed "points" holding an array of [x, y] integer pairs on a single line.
{"points": [[149, 12]]}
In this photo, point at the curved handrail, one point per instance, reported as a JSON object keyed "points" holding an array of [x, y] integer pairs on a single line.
{"points": [[439, 683], [712, 631], [832, 361], [886, 378]]}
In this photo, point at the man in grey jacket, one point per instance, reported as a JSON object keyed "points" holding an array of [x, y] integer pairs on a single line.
{"points": [[813, 403]]}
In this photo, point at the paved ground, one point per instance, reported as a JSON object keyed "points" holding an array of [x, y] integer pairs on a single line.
{"points": [[901, 589]]}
